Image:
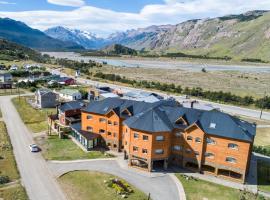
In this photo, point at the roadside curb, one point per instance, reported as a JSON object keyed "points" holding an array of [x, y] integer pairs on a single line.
{"points": [[79, 161], [179, 185]]}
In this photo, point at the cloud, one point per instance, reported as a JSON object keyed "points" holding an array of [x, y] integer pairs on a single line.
{"points": [[6, 3], [72, 3], [106, 21]]}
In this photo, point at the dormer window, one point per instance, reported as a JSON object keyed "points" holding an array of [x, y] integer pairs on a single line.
{"points": [[180, 122], [212, 125]]}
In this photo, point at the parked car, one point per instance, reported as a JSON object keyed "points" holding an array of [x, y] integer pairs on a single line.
{"points": [[34, 148]]}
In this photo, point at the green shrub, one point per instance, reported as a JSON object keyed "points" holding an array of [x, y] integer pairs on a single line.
{"points": [[4, 179]]}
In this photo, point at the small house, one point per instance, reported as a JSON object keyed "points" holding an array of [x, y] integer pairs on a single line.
{"points": [[13, 68], [45, 98], [6, 81], [66, 81], [70, 94]]}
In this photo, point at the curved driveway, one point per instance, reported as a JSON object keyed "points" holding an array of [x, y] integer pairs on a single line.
{"points": [[161, 186]]}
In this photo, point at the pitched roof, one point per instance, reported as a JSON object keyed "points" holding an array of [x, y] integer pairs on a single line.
{"points": [[162, 116], [43, 91], [72, 105]]}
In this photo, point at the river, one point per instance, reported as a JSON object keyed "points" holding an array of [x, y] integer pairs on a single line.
{"points": [[163, 64]]}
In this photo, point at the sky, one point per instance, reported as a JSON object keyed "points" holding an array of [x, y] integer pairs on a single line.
{"points": [[104, 17]]}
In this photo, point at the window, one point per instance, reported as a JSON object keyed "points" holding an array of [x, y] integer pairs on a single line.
{"points": [[135, 149], [102, 120], [189, 138], [209, 155], [126, 143], [108, 144], [109, 122], [115, 146], [198, 140], [159, 151], [114, 134], [145, 137], [212, 125], [109, 133], [177, 148], [196, 153], [232, 146], [188, 151], [144, 151], [178, 134], [210, 141], [230, 160], [160, 138], [101, 131], [89, 117], [136, 135], [89, 128], [115, 123]]}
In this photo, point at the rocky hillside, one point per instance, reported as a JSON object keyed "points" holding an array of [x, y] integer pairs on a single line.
{"points": [[82, 38], [238, 36], [20, 33]]}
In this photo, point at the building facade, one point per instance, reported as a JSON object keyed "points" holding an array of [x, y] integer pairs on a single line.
{"points": [[45, 98], [157, 135]]}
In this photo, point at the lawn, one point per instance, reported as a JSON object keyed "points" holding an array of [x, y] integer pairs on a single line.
{"points": [[86, 185], [54, 148], [201, 190], [7, 163], [263, 176], [262, 137], [36, 120], [13, 193]]}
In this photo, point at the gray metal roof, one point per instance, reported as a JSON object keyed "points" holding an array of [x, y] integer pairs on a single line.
{"points": [[72, 105], [161, 117]]}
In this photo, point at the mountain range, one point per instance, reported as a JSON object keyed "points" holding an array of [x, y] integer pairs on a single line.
{"points": [[239, 36], [20, 33], [244, 36], [82, 38]]}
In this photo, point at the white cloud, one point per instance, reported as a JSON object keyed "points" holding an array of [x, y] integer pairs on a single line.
{"points": [[72, 3], [105, 21], [6, 3]]}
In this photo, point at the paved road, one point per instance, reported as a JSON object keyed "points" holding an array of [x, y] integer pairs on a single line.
{"points": [[40, 184], [161, 186], [226, 108]]}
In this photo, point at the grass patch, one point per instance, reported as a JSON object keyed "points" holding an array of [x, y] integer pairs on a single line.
{"points": [[196, 189], [7, 163], [8, 168], [86, 185], [13, 193], [262, 137], [263, 176], [36, 120], [54, 148]]}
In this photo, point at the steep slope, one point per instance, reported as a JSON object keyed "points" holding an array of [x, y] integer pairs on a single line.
{"points": [[238, 36], [11, 51], [82, 38], [20, 33]]}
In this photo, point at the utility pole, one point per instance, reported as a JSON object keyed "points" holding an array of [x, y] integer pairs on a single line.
{"points": [[262, 106], [149, 196]]}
